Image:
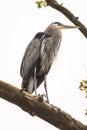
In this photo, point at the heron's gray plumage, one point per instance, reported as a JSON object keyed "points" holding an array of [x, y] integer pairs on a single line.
{"points": [[30, 60], [40, 53], [39, 56]]}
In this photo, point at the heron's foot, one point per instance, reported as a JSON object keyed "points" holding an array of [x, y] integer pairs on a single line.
{"points": [[45, 98], [43, 95], [42, 98], [23, 89]]}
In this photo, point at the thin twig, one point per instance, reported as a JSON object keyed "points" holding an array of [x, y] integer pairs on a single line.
{"points": [[74, 19]]}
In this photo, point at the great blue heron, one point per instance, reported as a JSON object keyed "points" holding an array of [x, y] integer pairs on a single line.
{"points": [[39, 56]]}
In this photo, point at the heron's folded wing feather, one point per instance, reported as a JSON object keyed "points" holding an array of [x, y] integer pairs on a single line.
{"points": [[30, 57]]}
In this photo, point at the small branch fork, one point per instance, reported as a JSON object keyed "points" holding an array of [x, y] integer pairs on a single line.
{"points": [[34, 106]]}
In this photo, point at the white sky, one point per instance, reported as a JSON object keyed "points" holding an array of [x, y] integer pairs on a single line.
{"points": [[20, 20]]}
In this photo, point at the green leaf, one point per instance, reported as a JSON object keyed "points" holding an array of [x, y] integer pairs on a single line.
{"points": [[41, 3]]}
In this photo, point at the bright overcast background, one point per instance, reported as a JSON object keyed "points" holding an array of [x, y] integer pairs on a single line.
{"points": [[20, 20]]}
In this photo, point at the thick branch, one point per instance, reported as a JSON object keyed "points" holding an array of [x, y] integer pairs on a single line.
{"points": [[35, 106], [54, 4]]}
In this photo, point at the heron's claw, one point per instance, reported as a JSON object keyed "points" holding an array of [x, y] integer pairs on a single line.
{"points": [[42, 97]]}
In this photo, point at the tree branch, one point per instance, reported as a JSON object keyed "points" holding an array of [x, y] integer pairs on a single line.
{"points": [[54, 4], [36, 106]]}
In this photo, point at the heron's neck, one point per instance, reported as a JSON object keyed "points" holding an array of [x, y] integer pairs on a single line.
{"points": [[53, 31], [56, 33]]}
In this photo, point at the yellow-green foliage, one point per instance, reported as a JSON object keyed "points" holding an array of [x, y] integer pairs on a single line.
{"points": [[83, 87], [41, 3]]}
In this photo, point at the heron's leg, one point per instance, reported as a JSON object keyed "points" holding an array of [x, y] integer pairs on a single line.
{"points": [[45, 86], [35, 81]]}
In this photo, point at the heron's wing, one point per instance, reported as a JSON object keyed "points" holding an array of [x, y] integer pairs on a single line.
{"points": [[30, 57]]}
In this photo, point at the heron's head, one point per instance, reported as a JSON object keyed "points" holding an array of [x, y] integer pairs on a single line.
{"points": [[59, 25]]}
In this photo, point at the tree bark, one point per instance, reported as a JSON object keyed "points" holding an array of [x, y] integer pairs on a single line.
{"points": [[35, 105], [74, 19]]}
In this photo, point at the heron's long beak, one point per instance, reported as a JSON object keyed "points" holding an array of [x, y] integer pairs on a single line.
{"points": [[67, 27]]}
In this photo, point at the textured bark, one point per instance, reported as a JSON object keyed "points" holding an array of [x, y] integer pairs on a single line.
{"points": [[74, 19], [36, 106]]}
